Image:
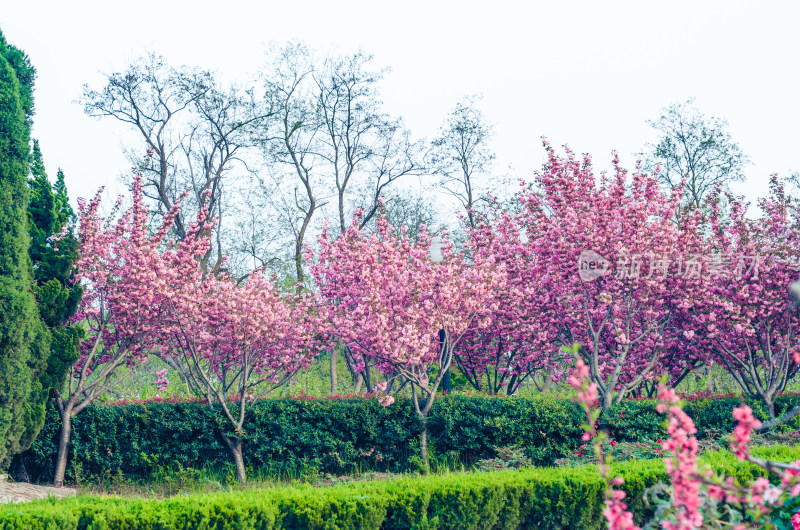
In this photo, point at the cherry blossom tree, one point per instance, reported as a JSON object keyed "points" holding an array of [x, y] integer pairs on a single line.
{"points": [[120, 272], [235, 342], [388, 302], [513, 347], [606, 268], [745, 318], [148, 294]]}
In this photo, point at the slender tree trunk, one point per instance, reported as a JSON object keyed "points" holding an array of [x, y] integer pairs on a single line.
{"points": [[423, 416], [235, 447], [365, 376], [334, 375], [511, 387], [608, 398], [770, 406], [423, 445], [63, 447], [359, 382]]}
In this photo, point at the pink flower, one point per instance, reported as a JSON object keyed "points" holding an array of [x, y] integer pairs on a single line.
{"points": [[742, 431], [161, 380], [682, 467]]}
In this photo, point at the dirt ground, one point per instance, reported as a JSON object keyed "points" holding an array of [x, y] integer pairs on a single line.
{"points": [[23, 492]]}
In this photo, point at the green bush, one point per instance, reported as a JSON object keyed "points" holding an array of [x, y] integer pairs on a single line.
{"points": [[531, 498], [300, 437], [635, 421]]}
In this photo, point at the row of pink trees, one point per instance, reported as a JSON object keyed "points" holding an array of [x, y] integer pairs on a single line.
{"points": [[605, 262], [602, 261], [598, 261]]}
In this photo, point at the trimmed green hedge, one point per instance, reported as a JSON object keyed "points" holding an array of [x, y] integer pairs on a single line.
{"points": [[532, 498], [300, 436]]}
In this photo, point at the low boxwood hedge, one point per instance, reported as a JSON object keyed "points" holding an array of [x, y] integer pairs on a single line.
{"points": [[292, 437], [531, 498]]}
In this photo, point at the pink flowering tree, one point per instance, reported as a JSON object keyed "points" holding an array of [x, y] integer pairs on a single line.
{"points": [[389, 301], [119, 270], [234, 342], [745, 317], [606, 269], [513, 347]]}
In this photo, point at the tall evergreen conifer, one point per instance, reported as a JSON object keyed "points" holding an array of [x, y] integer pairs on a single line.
{"points": [[49, 213], [24, 339]]}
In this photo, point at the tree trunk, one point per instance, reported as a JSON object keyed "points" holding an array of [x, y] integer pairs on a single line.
{"points": [[359, 382], [770, 406], [423, 445], [63, 447], [235, 447], [608, 397], [511, 387], [334, 376]]}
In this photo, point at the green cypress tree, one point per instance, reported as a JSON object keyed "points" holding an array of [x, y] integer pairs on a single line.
{"points": [[64, 213], [24, 340], [41, 208], [49, 213]]}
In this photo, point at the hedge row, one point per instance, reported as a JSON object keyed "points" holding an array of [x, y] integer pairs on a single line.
{"points": [[531, 498], [297, 436]]}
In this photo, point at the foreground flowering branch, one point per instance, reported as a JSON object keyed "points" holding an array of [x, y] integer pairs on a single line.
{"points": [[704, 499], [616, 512], [696, 499]]}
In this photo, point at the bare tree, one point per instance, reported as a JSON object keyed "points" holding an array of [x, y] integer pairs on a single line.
{"points": [[197, 133], [366, 151], [408, 210], [460, 155], [696, 149], [330, 143], [290, 140]]}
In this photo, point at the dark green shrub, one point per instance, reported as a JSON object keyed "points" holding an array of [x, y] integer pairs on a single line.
{"points": [[296, 437]]}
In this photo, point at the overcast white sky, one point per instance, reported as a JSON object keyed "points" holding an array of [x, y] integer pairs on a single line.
{"points": [[586, 73]]}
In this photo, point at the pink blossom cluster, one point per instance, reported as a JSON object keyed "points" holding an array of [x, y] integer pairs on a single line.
{"points": [[616, 511], [746, 423], [387, 300], [162, 382], [682, 465]]}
